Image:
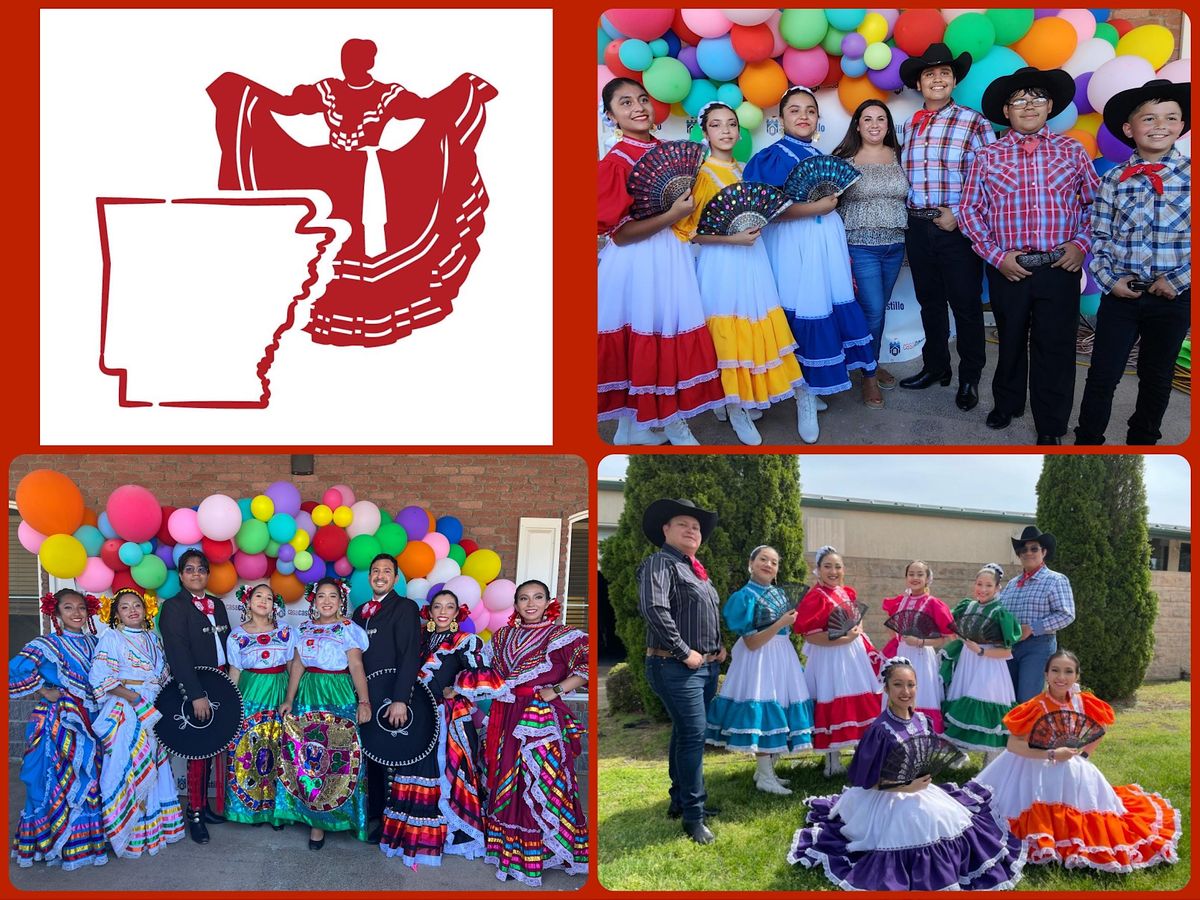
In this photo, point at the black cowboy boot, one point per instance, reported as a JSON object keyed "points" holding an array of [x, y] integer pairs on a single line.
{"points": [[196, 826], [211, 817]]}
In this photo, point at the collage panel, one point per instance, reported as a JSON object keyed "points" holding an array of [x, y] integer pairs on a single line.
{"points": [[303, 672], [886, 227], [894, 672]]}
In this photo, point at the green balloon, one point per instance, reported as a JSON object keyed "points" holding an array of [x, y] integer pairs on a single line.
{"points": [[252, 537], [272, 548], [392, 538], [458, 554], [971, 33], [362, 550], [150, 573], [303, 561], [667, 80], [803, 28], [1011, 24], [1108, 33], [832, 42], [743, 148], [749, 116]]}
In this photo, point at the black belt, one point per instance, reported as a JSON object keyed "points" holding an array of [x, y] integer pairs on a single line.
{"points": [[928, 213], [667, 654], [1038, 259]]}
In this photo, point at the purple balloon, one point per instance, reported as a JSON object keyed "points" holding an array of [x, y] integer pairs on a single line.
{"points": [[433, 589], [314, 573], [854, 45], [304, 523], [285, 496], [286, 553], [687, 56], [1044, 13], [1110, 148], [888, 78], [467, 625], [414, 521], [1081, 98], [167, 555]]}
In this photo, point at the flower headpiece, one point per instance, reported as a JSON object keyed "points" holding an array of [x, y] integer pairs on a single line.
{"points": [[310, 594], [995, 569], [49, 607], [553, 610], [463, 613], [108, 604], [891, 664], [244, 592]]}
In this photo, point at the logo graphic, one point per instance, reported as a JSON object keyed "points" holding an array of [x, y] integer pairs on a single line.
{"points": [[894, 348]]}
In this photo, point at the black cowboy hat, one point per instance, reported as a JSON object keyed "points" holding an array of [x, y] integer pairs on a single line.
{"points": [[935, 55], [660, 512], [1121, 106], [1031, 533], [1055, 82]]}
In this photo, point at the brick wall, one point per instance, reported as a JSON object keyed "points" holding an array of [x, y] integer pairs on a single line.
{"points": [[1171, 18]]}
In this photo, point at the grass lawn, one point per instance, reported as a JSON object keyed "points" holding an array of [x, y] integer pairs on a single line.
{"points": [[641, 849]]}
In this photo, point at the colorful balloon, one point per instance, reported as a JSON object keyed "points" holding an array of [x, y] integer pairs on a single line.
{"points": [[253, 537], [1010, 25], [916, 29], [845, 19], [95, 577], [418, 590], [763, 83], [644, 24], [467, 590], [1048, 44], [219, 517], [343, 516], [971, 33], [443, 570], [803, 28], [807, 67], [753, 43], [718, 59], [482, 565], [1116, 75], [63, 556], [635, 54], [362, 549], [184, 527], [417, 559], [289, 587], [874, 28], [50, 502], [32, 540], [151, 573], [285, 496], [1089, 56], [249, 565], [414, 521], [88, 535], [707, 23], [365, 518], [1153, 43], [133, 512], [262, 507], [749, 118], [281, 527], [499, 595]]}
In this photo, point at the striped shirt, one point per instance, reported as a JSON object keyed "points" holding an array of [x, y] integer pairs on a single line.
{"points": [[1138, 232], [1016, 200], [682, 612], [937, 159], [1044, 603]]}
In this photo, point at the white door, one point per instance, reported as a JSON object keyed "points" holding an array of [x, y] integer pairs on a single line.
{"points": [[539, 544]]}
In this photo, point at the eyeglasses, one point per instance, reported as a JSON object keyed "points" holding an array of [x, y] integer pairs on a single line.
{"points": [[1022, 102], [194, 570], [1025, 551]]}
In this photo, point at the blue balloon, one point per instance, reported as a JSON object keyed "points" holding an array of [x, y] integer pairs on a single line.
{"points": [[147, 546], [1065, 120], [450, 528], [178, 549], [659, 47], [284, 568], [92, 539], [171, 586], [673, 43], [281, 527], [166, 554], [855, 68], [729, 94], [1101, 14], [467, 626], [718, 59], [612, 32], [1102, 165], [845, 19], [602, 42], [105, 529], [635, 54]]}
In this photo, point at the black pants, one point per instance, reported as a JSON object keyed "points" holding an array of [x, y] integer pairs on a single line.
{"points": [[1162, 325], [379, 787], [946, 271], [1037, 319]]}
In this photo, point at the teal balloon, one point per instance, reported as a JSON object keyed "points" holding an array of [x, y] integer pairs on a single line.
{"points": [[360, 588], [91, 538], [832, 44], [150, 573], [635, 54], [244, 506], [730, 94], [392, 538], [1089, 304], [999, 62], [845, 19], [170, 587], [971, 33], [703, 91], [281, 527], [803, 28], [659, 47], [602, 41], [130, 553], [252, 537], [667, 80], [363, 549]]}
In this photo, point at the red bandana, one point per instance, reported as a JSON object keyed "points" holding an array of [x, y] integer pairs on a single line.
{"points": [[921, 118], [204, 604], [1150, 170], [1025, 576], [1030, 143], [699, 569]]}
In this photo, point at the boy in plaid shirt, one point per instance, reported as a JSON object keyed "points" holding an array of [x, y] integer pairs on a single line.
{"points": [[1141, 225]]}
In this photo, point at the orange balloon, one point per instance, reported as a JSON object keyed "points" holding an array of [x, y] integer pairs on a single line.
{"points": [[853, 91], [1090, 145], [1048, 44], [417, 560], [90, 517], [50, 502], [222, 578], [763, 83], [432, 521], [289, 587]]}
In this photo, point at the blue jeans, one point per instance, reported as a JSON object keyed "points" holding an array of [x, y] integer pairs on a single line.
{"points": [[875, 272], [686, 693], [1027, 668]]}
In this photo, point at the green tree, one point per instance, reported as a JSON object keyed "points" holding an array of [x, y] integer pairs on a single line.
{"points": [[1095, 506], [757, 500]]}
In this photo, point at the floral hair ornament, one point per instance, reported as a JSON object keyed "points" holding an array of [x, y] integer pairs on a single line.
{"points": [[892, 663], [108, 605], [823, 552], [995, 569], [310, 594], [48, 603], [245, 591], [460, 616], [553, 610]]}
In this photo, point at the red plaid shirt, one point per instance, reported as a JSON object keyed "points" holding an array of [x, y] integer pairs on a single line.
{"points": [[936, 160], [1019, 200]]}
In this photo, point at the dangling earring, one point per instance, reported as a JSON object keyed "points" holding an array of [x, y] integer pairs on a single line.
{"points": [[430, 626], [56, 624], [454, 626], [313, 615], [245, 612]]}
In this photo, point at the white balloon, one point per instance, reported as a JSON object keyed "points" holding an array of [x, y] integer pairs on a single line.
{"points": [[748, 16], [443, 570], [418, 589], [1089, 55], [366, 519]]}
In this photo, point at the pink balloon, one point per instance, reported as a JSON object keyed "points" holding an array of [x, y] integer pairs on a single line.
{"points": [[780, 44], [708, 23], [343, 568], [304, 523], [1178, 72], [481, 615], [1081, 20], [184, 527], [134, 513], [643, 24], [603, 76], [219, 517], [499, 618], [466, 589], [1116, 75], [805, 67], [332, 498], [96, 576], [746, 16], [441, 546], [499, 595], [30, 538], [348, 498], [250, 565]]}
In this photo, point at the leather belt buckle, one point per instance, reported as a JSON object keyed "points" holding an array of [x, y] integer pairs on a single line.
{"points": [[928, 213], [1039, 259]]}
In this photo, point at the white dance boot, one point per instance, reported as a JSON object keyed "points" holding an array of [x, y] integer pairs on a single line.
{"points": [[680, 435], [806, 416], [833, 763], [775, 757], [630, 432], [765, 780], [743, 427]]}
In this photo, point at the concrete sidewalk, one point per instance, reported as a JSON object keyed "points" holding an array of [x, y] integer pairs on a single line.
{"points": [[929, 417]]}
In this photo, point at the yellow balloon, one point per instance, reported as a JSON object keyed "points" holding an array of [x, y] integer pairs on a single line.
{"points": [[485, 635], [1153, 43], [262, 507], [874, 28], [342, 516], [1090, 122], [322, 515], [63, 556], [482, 565], [301, 540], [677, 110]]}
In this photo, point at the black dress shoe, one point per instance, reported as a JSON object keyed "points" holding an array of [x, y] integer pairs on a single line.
{"points": [[1049, 440], [277, 827], [699, 832], [997, 420], [209, 817], [924, 379], [968, 396], [196, 828], [316, 845]]}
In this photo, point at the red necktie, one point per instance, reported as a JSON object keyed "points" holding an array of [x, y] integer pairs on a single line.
{"points": [[1149, 170], [921, 118], [699, 569], [1030, 144], [203, 604], [370, 608]]}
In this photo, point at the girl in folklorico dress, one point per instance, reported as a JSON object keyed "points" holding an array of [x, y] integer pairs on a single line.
{"points": [[258, 651], [808, 253], [533, 819], [841, 672], [979, 691], [763, 706], [923, 652], [1061, 805], [141, 807], [657, 366], [435, 805], [60, 822], [755, 348], [326, 676], [915, 836]]}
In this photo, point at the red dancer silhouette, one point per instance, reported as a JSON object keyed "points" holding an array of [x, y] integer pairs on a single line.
{"points": [[416, 212]]}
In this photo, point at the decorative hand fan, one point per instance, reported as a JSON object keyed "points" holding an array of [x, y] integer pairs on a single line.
{"points": [[918, 756], [662, 176], [844, 617], [742, 206], [914, 623], [980, 628], [820, 176], [1064, 728], [771, 604]]}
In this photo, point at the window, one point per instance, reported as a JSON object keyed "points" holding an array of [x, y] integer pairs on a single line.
{"points": [[23, 576], [1185, 556], [1160, 550]]}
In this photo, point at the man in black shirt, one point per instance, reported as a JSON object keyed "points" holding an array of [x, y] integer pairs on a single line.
{"points": [[683, 646]]}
